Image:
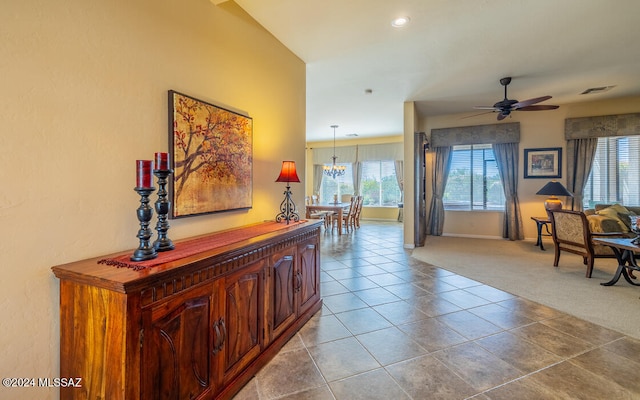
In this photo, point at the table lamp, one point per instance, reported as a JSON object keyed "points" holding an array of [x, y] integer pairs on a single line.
{"points": [[553, 189], [287, 207]]}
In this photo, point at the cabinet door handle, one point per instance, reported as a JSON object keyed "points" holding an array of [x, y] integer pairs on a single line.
{"points": [[216, 341], [224, 334], [299, 281]]}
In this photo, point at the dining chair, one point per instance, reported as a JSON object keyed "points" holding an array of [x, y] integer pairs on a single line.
{"points": [[356, 216], [347, 216], [323, 215], [346, 198]]}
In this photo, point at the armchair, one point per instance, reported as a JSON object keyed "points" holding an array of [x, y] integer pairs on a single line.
{"points": [[571, 233]]}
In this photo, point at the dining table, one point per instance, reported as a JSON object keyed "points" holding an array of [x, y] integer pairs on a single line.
{"points": [[337, 208]]}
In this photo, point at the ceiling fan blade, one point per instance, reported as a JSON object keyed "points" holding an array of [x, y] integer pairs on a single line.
{"points": [[475, 115], [501, 116], [486, 108], [526, 103], [540, 107]]}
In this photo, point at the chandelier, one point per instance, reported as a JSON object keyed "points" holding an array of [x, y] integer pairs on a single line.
{"points": [[334, 170]]}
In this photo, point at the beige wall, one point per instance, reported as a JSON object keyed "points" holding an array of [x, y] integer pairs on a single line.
{"points": [[410, 128], [538, 130], [84, 94]]}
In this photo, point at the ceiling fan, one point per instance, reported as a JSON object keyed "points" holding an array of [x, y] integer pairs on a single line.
{"points": [[506, 106]]}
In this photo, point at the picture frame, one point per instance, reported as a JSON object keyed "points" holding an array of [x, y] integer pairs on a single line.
{"points": [[543, 163], [211, 151]]}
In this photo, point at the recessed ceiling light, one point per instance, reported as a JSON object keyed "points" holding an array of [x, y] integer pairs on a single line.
{"points": [[400, 22]]}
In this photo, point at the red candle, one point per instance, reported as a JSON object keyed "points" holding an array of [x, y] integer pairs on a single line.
{"points": [[143, 175], [162, 161]]}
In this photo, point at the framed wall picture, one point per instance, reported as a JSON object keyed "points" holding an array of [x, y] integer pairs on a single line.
{"points": [[211, 156], [543, 163]]}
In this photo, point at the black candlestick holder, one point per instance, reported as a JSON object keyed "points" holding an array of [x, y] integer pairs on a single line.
{"points": [[145, 250], [287, 208], [162, 243]]}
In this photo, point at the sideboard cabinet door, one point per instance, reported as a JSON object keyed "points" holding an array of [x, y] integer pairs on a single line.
{"points": [[308, 275], [281, 297], [176, 347], [241, 319]]}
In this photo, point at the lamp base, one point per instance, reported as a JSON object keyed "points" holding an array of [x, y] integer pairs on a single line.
{"points": [[553, 203], [287, 209]]}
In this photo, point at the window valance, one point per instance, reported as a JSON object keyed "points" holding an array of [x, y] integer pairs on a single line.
{"points": [[602, 126], [479, 134], [376, 152], [345, 154], [359, 153]]}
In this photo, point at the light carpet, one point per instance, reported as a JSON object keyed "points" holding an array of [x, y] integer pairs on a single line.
{"points": [[522, 269]]}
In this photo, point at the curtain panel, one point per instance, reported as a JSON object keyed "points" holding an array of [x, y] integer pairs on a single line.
{"points": [[399, 167], [317, 178], [356, 175], [439, 174], [507, 160], [580, 155]]}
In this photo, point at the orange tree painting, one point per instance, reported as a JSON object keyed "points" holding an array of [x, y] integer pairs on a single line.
{"points": [[212, 156]]}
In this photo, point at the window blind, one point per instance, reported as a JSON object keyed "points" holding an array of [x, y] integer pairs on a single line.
{"points": [[615, 173]]}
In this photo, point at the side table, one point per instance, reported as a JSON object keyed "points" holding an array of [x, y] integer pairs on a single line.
{"points": [[540, 222]]}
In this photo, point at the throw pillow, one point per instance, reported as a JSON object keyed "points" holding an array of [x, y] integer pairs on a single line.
{"points": [[623, 215], [626, 218], [614, 212], [620, 209]]}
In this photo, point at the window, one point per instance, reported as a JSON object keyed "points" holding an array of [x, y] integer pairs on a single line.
{"points": [[379, 185], [474, 181], [338, 186], [615, 173]]}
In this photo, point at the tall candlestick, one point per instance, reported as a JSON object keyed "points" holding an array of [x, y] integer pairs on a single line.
{"points": [[162, 161], [163, 243], [143, 173], [145, 250]]}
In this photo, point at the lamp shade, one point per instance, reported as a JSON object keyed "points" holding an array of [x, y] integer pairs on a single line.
{"points": [[288, 172], [554, 188]]}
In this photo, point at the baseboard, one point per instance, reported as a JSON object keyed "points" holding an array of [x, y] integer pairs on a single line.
{"points": [[528, 240], [472, 236]]}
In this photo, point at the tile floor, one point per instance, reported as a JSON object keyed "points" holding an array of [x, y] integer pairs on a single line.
{"points": [[393, 327]]}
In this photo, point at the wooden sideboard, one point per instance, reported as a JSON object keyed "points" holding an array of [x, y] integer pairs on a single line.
{"points": [[199, 327]]}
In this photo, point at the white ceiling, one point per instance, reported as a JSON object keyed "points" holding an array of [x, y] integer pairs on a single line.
{"points": [[451, 55]]}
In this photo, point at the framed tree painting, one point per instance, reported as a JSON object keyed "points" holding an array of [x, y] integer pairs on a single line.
{"points": [[543, 163], [211, 155]]}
